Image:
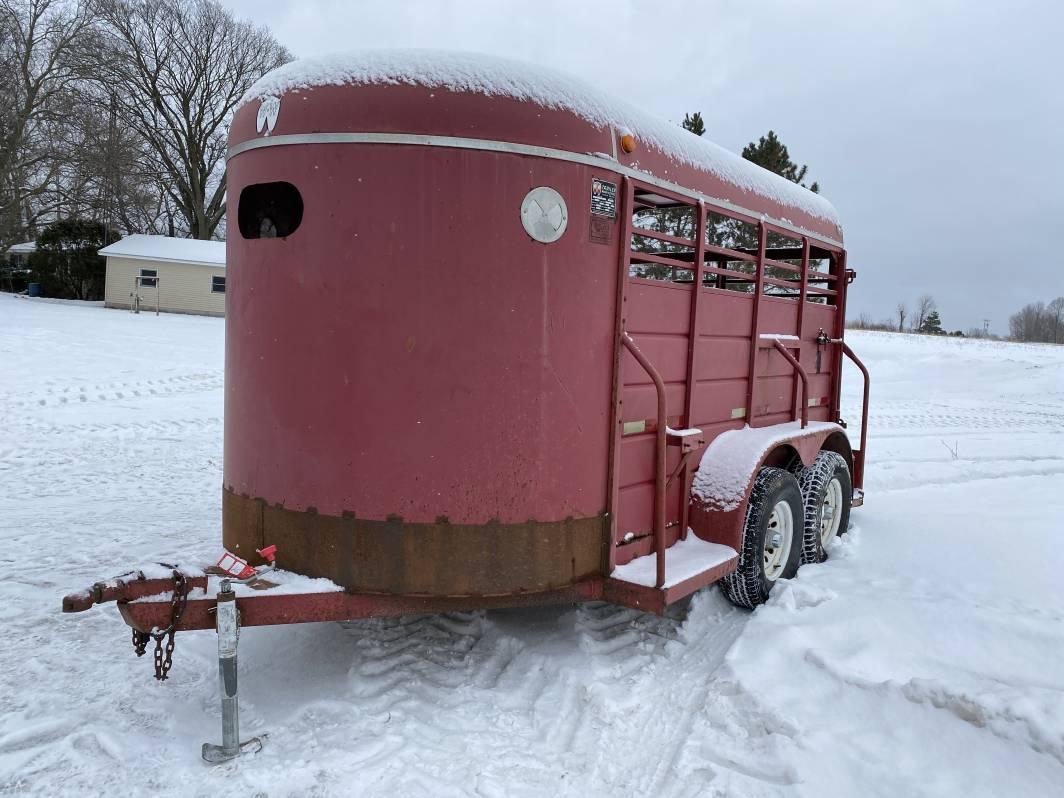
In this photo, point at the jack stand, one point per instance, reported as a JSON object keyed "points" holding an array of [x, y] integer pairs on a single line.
{"points": [[227, 621]]}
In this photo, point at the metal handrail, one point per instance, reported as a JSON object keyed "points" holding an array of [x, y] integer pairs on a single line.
{"points": [[659, 457], [801, 373], [859, 461]]}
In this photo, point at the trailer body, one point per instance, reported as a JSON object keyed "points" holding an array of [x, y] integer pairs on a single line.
{"points": [[493, 338]]}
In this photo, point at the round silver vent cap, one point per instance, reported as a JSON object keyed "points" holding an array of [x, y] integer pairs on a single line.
{"points": [[544, 215]]}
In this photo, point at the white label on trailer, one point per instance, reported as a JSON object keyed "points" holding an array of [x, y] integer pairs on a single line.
{"points": [[603, 198]]}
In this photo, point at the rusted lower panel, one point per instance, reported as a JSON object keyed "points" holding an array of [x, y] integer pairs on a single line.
{"points": [[269, 610], [438, 559]]}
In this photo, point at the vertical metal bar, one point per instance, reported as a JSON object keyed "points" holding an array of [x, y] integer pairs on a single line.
{"points": [[755, 330], [804, 405], [803, 295], [692, 356], [660, 477], [859, 459], [624, 257], [838, 270]]}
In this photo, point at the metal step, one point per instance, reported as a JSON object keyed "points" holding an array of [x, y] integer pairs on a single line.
{"points": [[690, 565]]}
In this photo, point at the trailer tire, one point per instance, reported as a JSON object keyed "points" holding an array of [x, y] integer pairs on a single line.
{"points": [[827, 492], [775, 510]]}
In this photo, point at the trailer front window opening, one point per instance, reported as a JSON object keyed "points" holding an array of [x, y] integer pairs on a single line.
{"points": [[820, 276], [269, 210], [656, 216], [738, 236], [787, 252]]}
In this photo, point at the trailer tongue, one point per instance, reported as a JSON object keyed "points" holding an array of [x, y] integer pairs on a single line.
{"points": [[231, 594]]}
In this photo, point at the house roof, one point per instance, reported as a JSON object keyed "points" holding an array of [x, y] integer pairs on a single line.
{"points": [[167, 249], [25, 248]]}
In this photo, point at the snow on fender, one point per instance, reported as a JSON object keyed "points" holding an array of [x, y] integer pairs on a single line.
{"points": [[730, 462]]}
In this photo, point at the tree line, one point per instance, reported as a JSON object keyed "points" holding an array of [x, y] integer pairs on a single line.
{"points": [[116, 111], [1039, 322], [923, 317]]}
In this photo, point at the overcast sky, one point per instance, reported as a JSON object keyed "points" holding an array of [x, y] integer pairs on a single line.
{"points": [[936, 127]]}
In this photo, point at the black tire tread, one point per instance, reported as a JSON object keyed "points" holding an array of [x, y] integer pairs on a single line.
{"points": [[743, 586], [813, 482]]}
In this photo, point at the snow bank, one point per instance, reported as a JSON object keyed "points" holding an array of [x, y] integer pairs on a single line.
{"points": [[493, 76]]}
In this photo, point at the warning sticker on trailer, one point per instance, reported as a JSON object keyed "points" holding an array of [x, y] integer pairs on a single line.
{"points": [[603, 198]]}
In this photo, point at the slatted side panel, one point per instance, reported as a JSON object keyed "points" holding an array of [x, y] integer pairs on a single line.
{"points": [[736, 376], [722, 360], [820, 317], [657, 320], [774, 397]]}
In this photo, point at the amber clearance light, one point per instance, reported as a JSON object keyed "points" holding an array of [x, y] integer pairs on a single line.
{"points": [[627, 140]]}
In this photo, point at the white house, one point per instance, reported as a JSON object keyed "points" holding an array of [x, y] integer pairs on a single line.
{"points": [[180, 275], [19, 253]]}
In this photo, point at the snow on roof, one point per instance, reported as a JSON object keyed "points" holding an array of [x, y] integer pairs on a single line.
{"points": [[165, 248], [490, 75], [24, 248]]}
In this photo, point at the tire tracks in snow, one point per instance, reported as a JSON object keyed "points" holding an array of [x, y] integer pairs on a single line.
{"points": [[551, 693]]}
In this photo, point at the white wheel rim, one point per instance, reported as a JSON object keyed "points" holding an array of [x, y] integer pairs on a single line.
{"points": [[779, 537], [831, 512]]}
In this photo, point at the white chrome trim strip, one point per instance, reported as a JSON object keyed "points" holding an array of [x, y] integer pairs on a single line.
{"points": [[459, 142]]}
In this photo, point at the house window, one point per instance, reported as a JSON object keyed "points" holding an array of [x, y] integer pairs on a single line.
{"points": [[149, 278], [217, 285]]}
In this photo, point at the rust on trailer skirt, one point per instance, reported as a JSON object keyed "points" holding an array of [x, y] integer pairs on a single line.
{"points": [[267, 610], [433, 559]]}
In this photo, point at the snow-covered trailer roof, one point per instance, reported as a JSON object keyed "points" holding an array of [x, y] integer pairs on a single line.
{"points": [[167, 249], [376, 96]]}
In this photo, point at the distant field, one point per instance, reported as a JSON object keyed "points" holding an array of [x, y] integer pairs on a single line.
{"points": [[924, 658]]}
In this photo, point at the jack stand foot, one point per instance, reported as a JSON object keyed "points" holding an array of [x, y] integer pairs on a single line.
{"points": [[217, 754]]}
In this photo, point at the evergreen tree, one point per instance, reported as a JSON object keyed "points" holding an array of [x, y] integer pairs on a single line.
{"points": [[66, 263], [693, 122], [771, 153], [932, 324]]}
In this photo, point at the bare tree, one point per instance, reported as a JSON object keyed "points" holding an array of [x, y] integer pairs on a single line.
{"points": [[924, 307], [116, 178], [1039, 322], [1055, 311], [177, 69], [901, 311], [42, 57]]}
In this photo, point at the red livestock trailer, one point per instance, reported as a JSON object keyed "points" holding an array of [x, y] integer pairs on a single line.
{"points": [[494, 338]]}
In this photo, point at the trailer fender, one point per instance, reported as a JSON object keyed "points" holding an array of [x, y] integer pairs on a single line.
{"points": [[721, 487]]}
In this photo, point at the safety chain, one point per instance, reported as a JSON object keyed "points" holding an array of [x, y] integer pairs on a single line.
{"points": [[164, 654]]}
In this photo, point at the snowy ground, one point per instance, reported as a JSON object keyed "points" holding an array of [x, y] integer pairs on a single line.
{"points": [[925, 658]]}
